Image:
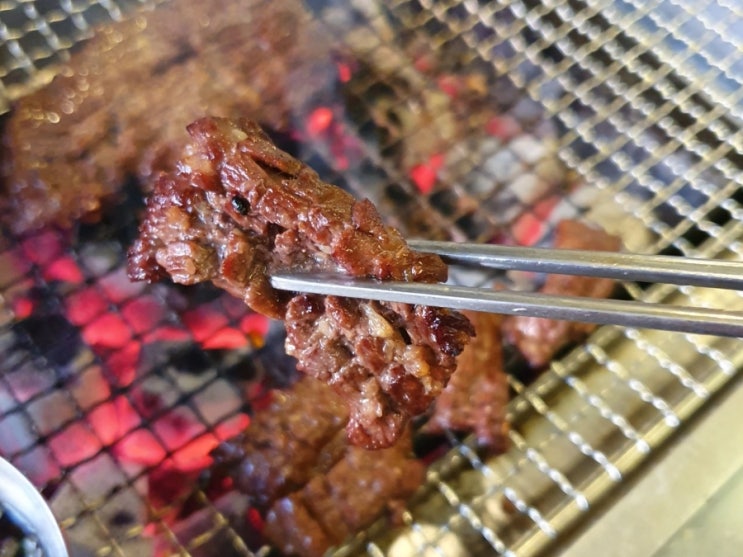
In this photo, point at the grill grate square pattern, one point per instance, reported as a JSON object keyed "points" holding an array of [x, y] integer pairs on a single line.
{"points": [[624, 113]]}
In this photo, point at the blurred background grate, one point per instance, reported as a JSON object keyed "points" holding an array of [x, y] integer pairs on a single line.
{"points": [[461, 119]]}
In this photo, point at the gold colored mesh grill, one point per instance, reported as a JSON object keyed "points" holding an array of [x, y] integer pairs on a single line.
{"points": [[645, 102]]}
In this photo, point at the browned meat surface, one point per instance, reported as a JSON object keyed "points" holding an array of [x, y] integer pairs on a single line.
{"points": [[295, 463], [349, 497], [476, 397], [239, 207], [298, 435], [379, 356], [540, 339], [295, 530], [120, 105]]}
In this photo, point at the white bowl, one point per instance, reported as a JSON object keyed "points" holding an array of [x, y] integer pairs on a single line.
{"points": [[20, 497]]}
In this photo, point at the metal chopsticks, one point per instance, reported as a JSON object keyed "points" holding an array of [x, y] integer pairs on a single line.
{"points": [[663, 269], [713, 273]]}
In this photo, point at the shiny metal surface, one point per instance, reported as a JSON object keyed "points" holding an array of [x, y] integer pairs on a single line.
{"points": [[646, 104], [590, 310], [713, 273], [686, 501]]}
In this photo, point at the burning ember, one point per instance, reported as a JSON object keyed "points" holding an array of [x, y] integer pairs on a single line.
{"points": [[102, 374], [113, 393], [424, 175]]}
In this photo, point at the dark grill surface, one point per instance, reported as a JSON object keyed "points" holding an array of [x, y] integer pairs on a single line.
{"points": [[459, 119]]}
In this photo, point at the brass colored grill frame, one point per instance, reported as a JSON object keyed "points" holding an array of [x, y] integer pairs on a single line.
{"points": [[647, 102]]}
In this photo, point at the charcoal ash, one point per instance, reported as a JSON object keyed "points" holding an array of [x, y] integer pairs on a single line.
{"points": [[191, 359], [52, 336], [104, 243], [47, 332], [182, 298]]}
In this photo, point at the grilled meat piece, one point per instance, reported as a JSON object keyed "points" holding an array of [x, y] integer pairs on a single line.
{"points": [[382, 357], [476, 397], [119, 107], [296, 465], [349, 497], [298, 435], [239, 207], [540, 339]]}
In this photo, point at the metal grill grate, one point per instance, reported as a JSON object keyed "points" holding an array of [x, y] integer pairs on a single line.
{"points": [[640, 100]]}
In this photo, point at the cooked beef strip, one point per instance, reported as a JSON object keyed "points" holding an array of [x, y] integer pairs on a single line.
{"points": [[120, 105], [298, 435], [294, 530], [476, 397], [295, 464], [350, 496], [540, 339], [345, 339], [238, 208]]}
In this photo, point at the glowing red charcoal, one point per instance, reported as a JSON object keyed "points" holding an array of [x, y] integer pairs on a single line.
{"points": [[451, 85], [256, 327], [44, 246], [530, 227], [141, 447], [112, 420], [74, 444], [167, 487], [345, 72], [84, 305], [107, 331], [228, 338], [424, 175], [543, 209], [179, 441], [503, 127], [319, 121], [167, 333], [143, 313], [324, 124], [194, 455], [22, 307], [64, 269], [255, 520], [205, 321], [425, 62], [170, 484], [122, 364]]}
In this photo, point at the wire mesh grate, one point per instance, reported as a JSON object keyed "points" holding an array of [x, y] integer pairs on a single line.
{"points": [[639, 101]]}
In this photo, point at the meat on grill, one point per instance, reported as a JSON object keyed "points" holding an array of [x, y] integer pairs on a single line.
{"points": [[314, 488], [119, 107], [239, 207], [540, 339], [350, 496], [298, 435], [476, 397]]}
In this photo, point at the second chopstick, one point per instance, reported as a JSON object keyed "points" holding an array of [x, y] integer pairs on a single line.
{"points": [[589, 310], [667, 269]]}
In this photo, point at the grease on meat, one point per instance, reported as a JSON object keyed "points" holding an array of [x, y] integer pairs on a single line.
{"points": [[476, 397], [119, 106], [314, 489], [239, 207], [540, 339]]}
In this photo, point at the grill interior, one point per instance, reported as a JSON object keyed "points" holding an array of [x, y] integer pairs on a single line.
{"points": [[624, 113]]}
